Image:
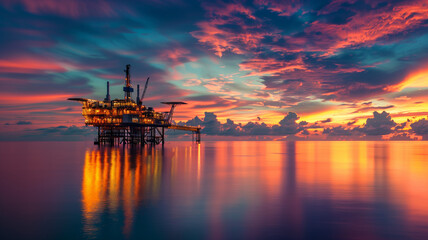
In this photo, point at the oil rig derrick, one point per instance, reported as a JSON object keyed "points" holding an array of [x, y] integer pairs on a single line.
{"points": [[125, 121]]}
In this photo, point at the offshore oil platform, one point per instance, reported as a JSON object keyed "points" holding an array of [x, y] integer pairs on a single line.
{"points": [[125, 121]]}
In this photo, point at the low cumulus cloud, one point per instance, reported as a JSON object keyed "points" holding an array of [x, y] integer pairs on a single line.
{"points": [[381, 124], [341, 131], [21, 122], [24, 123], [212, 126], [61, 133], [63, 130], [420, 128], [375, 127]]}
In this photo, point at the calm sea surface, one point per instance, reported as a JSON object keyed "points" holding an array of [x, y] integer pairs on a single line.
{"points": [[215, 190]]}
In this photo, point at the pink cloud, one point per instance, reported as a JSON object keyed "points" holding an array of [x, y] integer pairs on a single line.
{"points": [[364, 28], [176, 56], [221, 41], [284, 8], [192, 82], [228, 9], [227, 40], [260, 67]]}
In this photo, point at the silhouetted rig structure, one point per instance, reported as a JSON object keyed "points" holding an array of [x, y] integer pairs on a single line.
{"points": [[125, 121]]}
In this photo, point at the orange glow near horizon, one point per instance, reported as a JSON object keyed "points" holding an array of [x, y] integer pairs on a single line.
{"points": [[232, 108], [418, 79]]}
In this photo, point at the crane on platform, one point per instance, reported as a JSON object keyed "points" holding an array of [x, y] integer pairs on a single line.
{"points": [[144, 91], [168, 115]]}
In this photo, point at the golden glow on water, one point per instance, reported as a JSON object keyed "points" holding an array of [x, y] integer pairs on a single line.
{"points": [[112, 182], [340, 168], [257, 184], [359, 170]]}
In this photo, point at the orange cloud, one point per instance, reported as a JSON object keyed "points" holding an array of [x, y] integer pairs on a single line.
{"points": [[415, 79]]}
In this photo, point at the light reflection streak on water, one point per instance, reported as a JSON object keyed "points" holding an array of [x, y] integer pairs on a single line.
{"points": [[199, 166]]}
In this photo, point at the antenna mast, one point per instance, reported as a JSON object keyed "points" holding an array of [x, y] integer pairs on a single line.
{"points": [[128, 88]]}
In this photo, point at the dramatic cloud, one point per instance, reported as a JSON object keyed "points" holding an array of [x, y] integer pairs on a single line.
{"points": [[380, 124], [323, 57], [378, 23], [420, 128], [211, 125], [331, 63], [288, 125]]}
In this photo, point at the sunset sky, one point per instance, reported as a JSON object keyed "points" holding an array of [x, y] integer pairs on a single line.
{"points": [[332, 64]]}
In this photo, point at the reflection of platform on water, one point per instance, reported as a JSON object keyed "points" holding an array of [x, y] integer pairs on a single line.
{"points": [[116, 180]]}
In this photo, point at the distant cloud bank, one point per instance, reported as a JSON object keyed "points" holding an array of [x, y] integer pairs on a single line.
{"points": [[379, 127]]}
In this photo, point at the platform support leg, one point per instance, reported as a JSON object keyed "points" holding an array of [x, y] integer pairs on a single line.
{"points": [[198, 136], [163, 135]]}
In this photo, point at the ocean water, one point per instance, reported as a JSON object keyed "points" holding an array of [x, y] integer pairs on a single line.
{"points": [[215, 190]]}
